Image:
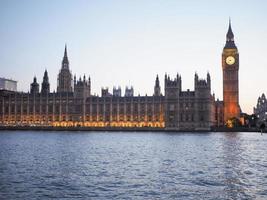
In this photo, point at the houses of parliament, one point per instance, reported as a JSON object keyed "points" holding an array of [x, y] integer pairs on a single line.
{"points": [[73, 104]]}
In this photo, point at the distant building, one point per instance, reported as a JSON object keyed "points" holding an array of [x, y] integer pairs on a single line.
{"points": [[8, 84], [261, 109]]}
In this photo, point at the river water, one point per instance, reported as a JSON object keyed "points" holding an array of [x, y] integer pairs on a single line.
{"points": [[132, 165]]}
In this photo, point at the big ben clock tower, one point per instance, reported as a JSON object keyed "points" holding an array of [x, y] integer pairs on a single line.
{"points": [[230, 67]]}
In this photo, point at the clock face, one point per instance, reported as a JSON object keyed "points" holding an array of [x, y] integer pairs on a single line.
{"points": [[230, 60]]}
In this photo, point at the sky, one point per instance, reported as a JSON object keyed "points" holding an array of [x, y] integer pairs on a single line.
{"points": [[128, 42]]}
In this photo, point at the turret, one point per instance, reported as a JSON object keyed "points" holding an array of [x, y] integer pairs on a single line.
{"points": [[157, 87], [117, 92], [34, 86], [196, 79], [202, 86], [74, 79], [82, 87], [129, 91], [208, 79], [174, 86], [105, 92], [45, 84]]}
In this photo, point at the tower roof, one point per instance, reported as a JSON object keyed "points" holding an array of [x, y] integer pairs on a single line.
{"points": [[230, 43]]}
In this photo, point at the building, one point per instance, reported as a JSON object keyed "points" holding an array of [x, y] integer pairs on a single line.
{"points": [[176, 109], [181, 110], [230, 67], [261, 109], [8, 84], [188, 109]]}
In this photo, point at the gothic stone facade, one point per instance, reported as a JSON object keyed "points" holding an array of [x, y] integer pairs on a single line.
{"points": [[177, 110], [188, 109]]}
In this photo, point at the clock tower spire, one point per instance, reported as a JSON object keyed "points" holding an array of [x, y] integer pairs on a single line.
{"points": [[230, 43], [230, 67]]}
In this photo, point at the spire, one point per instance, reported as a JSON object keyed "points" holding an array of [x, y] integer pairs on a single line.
{"points": [[230, 35], [208, 78], [65, 52], [65, 81], [45, 75], [230, 43], [157, 87], [157, 81], [45, 84], [196, 76], [65, 61], [45, 78]]}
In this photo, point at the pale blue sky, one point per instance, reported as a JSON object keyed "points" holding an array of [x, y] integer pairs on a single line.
{"points": [[129, 42]]}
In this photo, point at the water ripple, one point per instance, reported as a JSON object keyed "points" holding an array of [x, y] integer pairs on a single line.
{"points": [[64, 165]]}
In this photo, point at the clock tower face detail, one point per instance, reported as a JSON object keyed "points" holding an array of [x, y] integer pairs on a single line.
{"points": [[230, 67]]}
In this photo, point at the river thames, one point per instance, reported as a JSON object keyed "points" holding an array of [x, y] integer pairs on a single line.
{"points": [[132, 165]]}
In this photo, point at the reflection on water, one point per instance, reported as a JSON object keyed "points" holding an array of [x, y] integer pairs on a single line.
{"points": [[231, 156], [121, 165]]}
